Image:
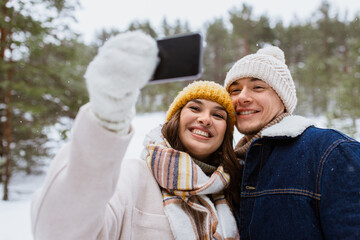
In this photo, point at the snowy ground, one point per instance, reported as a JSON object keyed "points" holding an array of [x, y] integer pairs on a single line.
{"points": [[15, 214]]}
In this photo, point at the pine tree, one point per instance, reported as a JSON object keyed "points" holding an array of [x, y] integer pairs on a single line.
{"points": [[41, 72], [216, 54]]}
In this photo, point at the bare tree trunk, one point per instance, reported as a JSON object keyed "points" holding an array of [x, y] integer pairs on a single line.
{"points": [[246, 47], [8, 133], [7, 73], [1, 171], [7, 172], [217, 64], [3, 34]]}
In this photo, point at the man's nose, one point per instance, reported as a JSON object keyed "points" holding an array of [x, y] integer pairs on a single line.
{"points": [[244, 96]]}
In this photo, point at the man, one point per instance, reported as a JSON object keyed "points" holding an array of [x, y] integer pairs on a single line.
{"points": [[299, 181]]}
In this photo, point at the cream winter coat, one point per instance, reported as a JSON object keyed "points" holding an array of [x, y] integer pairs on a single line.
{"points": [[92, 193]]}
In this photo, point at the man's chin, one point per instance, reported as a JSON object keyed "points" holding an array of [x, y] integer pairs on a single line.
{"points": [[249, 131]]}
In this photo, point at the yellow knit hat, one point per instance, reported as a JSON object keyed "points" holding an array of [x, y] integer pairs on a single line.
{"points": [[203, 90]]}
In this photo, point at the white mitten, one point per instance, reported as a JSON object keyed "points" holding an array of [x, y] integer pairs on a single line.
{"points": [[114, 78]]}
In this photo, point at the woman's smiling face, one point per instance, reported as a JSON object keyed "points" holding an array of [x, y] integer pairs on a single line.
{"points": [[202, 127]]}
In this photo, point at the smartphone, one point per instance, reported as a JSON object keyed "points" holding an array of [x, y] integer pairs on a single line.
{"points": [[180, 58]]}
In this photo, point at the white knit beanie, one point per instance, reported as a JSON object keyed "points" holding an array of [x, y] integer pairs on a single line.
{"points": [[268, 65]]}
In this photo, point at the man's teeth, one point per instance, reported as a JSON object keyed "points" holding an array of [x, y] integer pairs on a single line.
{"points": [[201, 133], [246, 112]]}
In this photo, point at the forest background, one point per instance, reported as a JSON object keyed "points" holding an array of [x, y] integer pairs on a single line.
{"points": [[42, 63]]}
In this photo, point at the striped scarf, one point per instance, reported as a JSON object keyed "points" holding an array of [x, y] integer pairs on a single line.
{"points": [[193, 202]]}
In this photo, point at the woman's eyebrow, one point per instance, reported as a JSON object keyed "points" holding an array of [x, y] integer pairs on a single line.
{"points": [[199, 102], [220, 108], [196, 101]]}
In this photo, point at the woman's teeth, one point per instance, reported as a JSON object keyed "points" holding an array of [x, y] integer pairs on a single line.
{"points": [[201, 133]]}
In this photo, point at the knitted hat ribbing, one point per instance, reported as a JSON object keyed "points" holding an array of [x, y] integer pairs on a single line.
{"points": [[203, 90], [268, 65]]}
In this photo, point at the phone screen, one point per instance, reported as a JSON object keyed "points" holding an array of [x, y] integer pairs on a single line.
{"points": [[180, 58]]}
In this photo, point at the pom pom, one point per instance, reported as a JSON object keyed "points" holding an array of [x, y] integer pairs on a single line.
{"points": [[273, 51]]}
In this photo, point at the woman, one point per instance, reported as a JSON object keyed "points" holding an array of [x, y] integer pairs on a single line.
{"points": [[174, 191]]}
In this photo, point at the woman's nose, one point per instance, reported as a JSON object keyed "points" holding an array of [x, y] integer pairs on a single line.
{"points": [[205, 119]]}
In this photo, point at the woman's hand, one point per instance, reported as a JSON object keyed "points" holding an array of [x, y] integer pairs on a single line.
{"points": [[114, 78]]}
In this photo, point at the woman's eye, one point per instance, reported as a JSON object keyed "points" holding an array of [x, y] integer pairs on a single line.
{"points": [[219, 116], [194, 108]]}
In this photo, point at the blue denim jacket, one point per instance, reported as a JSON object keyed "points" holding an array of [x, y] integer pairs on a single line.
{"points": [[300, 182]]}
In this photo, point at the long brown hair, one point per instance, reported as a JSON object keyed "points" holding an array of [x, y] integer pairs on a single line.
{"points": [[224, 154]]}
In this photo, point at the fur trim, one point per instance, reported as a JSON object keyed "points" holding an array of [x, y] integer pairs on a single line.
{"points": [[290, 126]]}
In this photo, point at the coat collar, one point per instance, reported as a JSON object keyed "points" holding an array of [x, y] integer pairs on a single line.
{"points": [[290, 126]]}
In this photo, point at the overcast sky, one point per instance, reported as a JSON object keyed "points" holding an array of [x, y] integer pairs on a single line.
{"points": [[117, 14]]}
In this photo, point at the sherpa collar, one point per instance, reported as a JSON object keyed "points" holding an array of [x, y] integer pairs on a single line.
{"points": [[290, 126]]}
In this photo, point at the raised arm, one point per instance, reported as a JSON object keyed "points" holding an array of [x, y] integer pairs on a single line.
{"points": [[73, 203]]}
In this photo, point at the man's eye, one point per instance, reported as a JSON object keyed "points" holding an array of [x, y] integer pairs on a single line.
{"points": [[235, 91], [258, 87]]}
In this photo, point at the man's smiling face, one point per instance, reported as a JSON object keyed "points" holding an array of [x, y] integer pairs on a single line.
{"points": [[256, 104]]}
